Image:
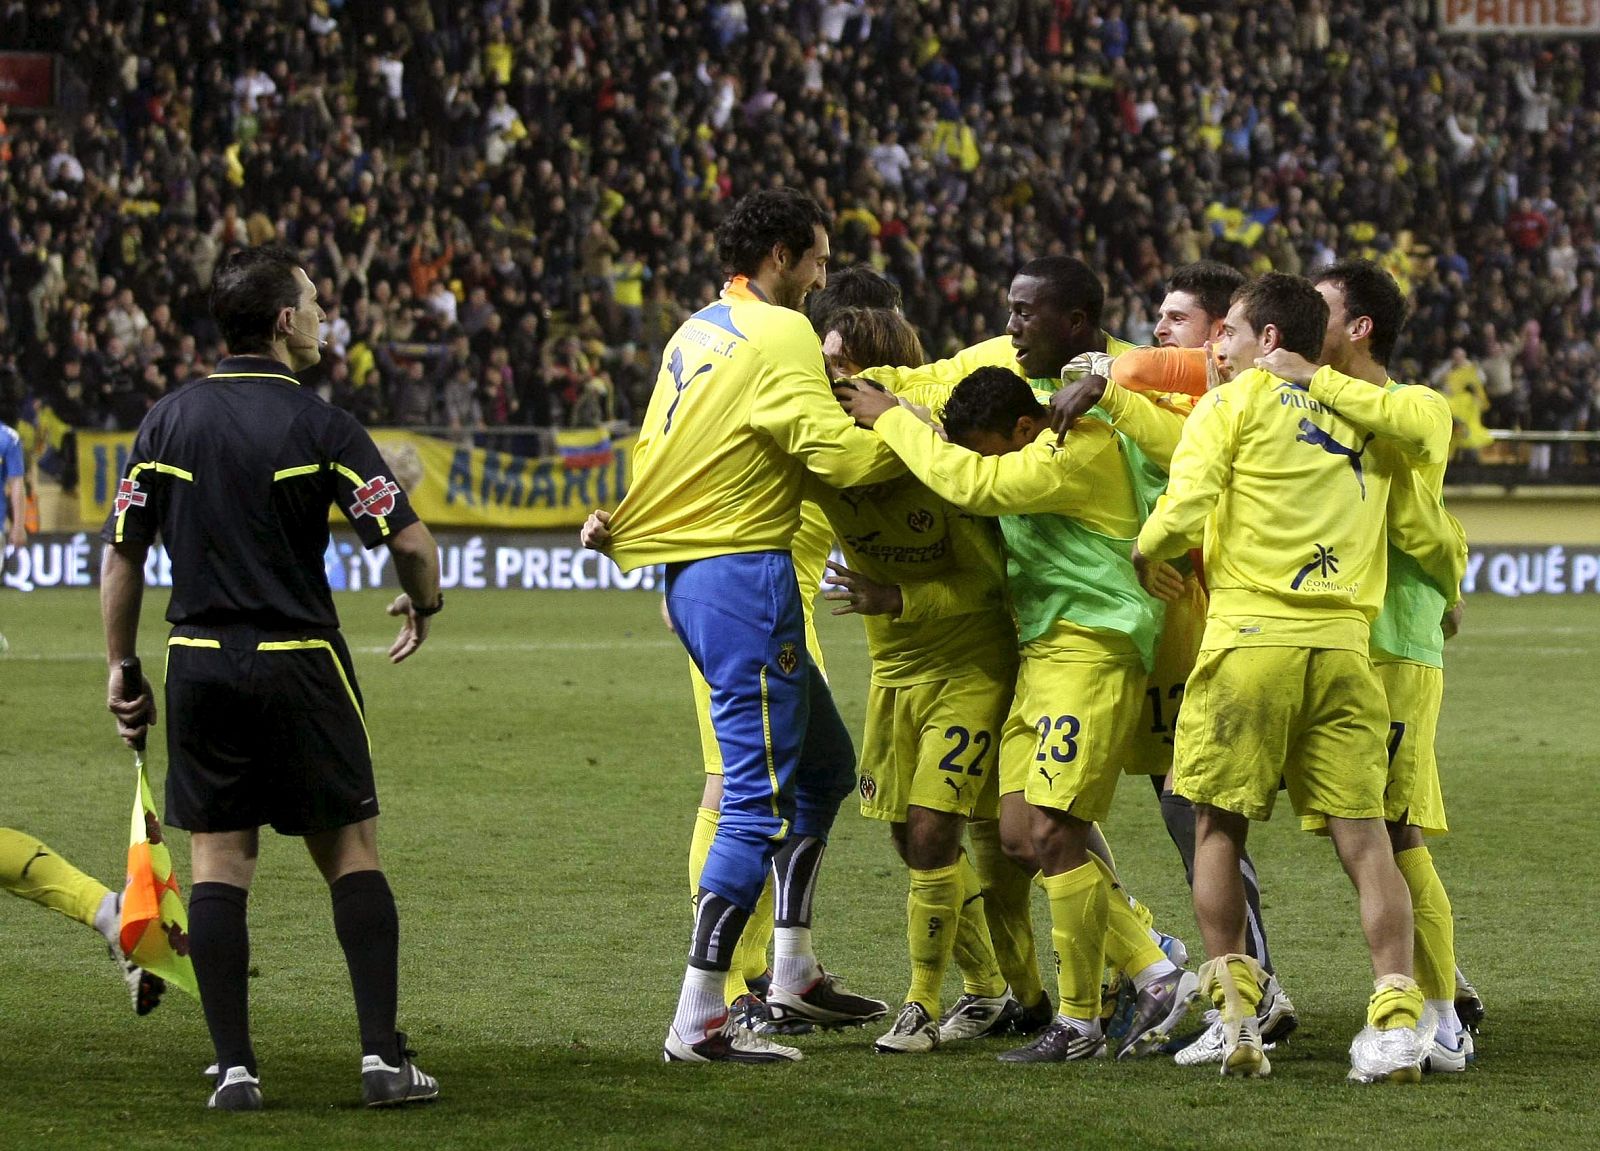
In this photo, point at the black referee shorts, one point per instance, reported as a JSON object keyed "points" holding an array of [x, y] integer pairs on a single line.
{"points": [[265, 727]]}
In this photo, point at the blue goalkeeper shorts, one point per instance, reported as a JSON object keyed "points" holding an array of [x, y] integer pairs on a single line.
{"points": [[787, 761]]}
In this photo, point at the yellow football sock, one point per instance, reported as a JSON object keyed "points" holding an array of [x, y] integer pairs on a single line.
{"points": [[933, 909], [1237, 978], [1435, 929], [980, 969], [1396, 1002], [1007, 906], [705, 830], [1078, 904], [1129, 947], [31, 870], [750, 953]]}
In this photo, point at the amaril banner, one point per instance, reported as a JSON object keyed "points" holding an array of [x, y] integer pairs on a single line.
{"points": [[450, 484]]}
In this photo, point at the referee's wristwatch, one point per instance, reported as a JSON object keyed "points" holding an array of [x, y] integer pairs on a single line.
{"points": [[425, 612]]}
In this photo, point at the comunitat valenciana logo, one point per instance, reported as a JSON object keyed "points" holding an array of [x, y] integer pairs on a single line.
{"points": [[1319, 572]]}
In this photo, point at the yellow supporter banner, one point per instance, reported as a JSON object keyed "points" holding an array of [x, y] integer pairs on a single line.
{"points": [[450, 484]]}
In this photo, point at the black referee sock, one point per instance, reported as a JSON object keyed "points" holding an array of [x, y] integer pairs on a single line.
{"points": [[368, 926], [219, 945]]}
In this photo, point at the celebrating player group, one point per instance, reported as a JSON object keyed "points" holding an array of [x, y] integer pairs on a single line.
{"points": [[1222, 563]]}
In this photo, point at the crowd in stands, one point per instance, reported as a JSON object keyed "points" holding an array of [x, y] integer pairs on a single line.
{"points": [[508, 205]]}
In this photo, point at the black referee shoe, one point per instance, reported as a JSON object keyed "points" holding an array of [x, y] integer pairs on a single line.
{"points": [[238, 1090], [386, 1086]]}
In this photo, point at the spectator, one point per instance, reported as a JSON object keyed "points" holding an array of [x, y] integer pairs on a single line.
{"points": [[1462, 384], [462, 411], [572, 162]]}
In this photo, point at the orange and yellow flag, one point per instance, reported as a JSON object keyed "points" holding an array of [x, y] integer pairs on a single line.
{"points": [[155, 924]]}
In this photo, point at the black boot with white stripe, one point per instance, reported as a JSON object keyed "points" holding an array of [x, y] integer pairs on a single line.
{"points": [[238, 1090], [385, 1086]]}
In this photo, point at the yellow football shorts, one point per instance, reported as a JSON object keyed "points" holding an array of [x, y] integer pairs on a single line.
{"points": [[1071, 729], [1415, 693], [1176, 652], [934, 745], [1412, 795], [1313, 718], [710, 752]]}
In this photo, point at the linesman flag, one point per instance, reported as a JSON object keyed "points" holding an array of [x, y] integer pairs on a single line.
{"points": [[155, 924]]}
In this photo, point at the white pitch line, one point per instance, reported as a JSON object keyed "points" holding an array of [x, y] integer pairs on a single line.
{"points": [[1525, 649], [531, 645], [1470, 632], [432, 645]]}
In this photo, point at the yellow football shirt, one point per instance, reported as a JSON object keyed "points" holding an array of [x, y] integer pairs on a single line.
{"points": [[1419, 422], [948, 566], [1292, 502], [741, 410], [931, 384], [1416, 418], [1085, 478]]}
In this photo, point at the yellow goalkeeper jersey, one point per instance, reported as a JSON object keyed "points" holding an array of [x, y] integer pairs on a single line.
{"points": [[1292, 502], [741, 410], [947, 564]]}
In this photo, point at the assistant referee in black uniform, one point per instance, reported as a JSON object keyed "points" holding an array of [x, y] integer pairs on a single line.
{"points": [[264, 718]]}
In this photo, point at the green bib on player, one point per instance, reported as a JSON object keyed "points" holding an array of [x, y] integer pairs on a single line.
{"points": [[1409, 626], [1057, 568]]}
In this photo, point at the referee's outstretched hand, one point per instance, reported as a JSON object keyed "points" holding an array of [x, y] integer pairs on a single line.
{"points": [[413, 632]]}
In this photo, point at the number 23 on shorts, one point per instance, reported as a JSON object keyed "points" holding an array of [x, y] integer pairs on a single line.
{"points": [[1058, 738]]}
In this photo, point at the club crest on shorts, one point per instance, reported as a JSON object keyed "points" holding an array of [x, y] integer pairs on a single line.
{"points": [[869, 788], [788, 658], [375, 498], [129, 495]]}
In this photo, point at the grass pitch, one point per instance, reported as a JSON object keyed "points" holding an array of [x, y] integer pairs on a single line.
{"points": [[538, 773]]}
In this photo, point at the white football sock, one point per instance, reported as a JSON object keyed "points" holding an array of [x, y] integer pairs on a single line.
{"points": [[1089, 1027], [108, 919], [1449, 1026], [794, 964], [699, 1003], [1157, 970]]}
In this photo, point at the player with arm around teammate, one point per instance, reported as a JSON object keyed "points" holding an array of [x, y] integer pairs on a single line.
{"points": [[1366, 312], [1171, 377], [1293, 504]]}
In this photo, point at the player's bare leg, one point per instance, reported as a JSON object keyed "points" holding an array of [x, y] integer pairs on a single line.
{"points": [[1391, 1046]]}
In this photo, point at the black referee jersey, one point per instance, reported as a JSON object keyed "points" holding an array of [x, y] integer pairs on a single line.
{"points": [[235, 472]]}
